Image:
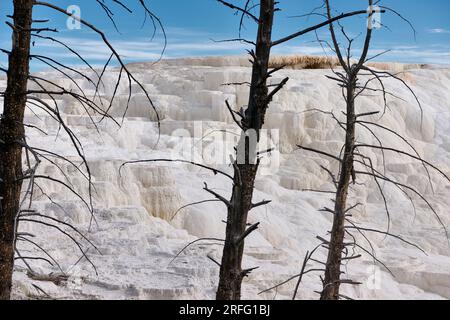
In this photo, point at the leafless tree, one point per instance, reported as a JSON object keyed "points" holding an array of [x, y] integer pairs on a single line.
{"points": [[19, 160], [248, 154], [250, 121], [352, 156], [343, 246]]}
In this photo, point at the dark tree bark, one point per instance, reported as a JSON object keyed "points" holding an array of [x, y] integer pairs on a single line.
{"points": [[246, 166], [336, 245], [11, 134], [351, 89], [332, 280]]}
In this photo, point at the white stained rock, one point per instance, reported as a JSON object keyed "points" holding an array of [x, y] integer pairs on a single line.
{"points": [[133, 225]]}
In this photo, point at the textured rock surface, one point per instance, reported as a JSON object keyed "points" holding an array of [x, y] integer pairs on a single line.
{"points": [[134, 229]]}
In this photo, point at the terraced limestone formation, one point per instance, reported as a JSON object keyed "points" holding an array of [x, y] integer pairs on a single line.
{"points": [[134, 229]]}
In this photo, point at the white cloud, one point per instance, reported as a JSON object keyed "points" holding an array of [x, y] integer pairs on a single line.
{"points": [[184, 43], [183, 32], [303, 50], [137, 49], [439, 31]]}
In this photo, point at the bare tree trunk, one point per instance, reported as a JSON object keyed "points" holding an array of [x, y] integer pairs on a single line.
{"points": [[12, 132], [231, 273], [336, 245]]}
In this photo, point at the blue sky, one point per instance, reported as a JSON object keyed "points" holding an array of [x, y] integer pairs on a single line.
{"points": [[192, 26]]}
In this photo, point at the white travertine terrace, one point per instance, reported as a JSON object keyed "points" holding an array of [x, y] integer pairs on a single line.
{"points": [[134, 230]]}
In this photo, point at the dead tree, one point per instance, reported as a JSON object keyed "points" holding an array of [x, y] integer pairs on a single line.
{"points": [[10, 132], [248, 155], [347, 171], [352, 155], [246, 166], [247, 158], [19, 160]]}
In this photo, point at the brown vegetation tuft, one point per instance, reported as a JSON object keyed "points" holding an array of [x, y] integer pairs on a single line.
{"points": [[303, 62], [316, 62]]}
